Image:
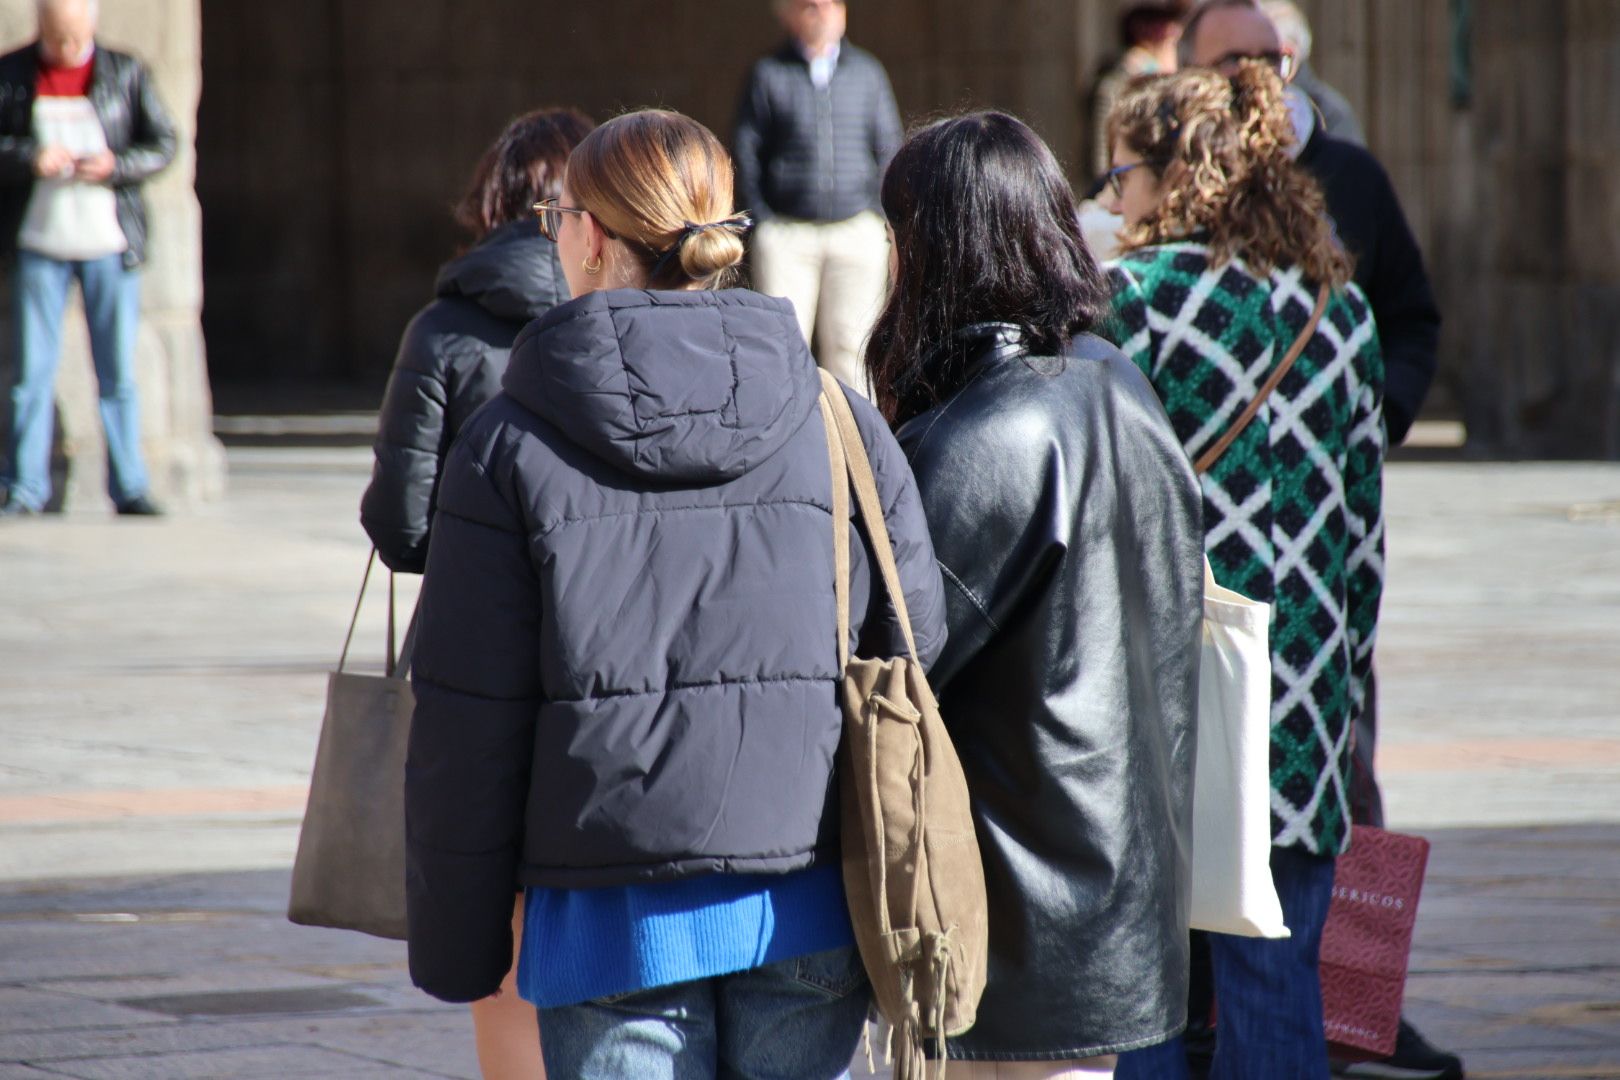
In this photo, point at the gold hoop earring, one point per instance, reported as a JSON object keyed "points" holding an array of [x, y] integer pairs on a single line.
{"points": [[593, 270]]}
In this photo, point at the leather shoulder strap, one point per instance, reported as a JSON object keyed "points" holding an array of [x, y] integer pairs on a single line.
{"points": [[1209, 457], [866, 497]]}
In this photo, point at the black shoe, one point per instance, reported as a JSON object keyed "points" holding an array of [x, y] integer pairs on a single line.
{"points": [[1413, 1059], [140, 506]]}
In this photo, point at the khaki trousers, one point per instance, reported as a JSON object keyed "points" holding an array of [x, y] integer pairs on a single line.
{"points": [[836, 274]]}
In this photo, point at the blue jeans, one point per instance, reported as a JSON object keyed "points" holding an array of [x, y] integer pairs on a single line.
{"points": [[112, 307], [797, 1019], [1268, 994]]}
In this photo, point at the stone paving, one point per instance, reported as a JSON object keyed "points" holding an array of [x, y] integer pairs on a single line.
{"points": [[161, 686]]}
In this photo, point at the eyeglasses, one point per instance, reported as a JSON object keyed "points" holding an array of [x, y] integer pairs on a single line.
{"points": [[1280, 62], [550, 213], [1113, 179]]}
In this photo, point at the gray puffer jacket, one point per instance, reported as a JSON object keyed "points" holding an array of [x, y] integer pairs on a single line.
{"points": [[626, 666], [451, 359]]}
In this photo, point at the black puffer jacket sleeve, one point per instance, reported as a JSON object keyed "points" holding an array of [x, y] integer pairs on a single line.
{"points": [[478, 691], [411, 437]]}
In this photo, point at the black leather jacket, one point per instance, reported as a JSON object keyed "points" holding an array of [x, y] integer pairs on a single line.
{"points": [[139, 133], [1068, 525]]}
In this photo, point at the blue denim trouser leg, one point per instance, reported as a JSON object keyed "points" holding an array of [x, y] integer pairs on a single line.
{"points": [[1268, 994], [112, 308], [39, 293], [798, 1019], [1166, 1061]]}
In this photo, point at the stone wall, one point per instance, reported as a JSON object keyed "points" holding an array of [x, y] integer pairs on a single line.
{"points": [[334, 134], [186, 461]]}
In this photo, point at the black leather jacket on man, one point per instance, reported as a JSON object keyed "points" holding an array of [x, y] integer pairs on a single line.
{"points": [[1068, 526], [139, 132], [814, 153]]}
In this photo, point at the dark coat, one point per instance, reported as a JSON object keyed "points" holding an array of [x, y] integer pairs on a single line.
{"points": [[626, 666], [813, 153], [450, 362], [1067, 523], [1389, 269], [139, 132]]}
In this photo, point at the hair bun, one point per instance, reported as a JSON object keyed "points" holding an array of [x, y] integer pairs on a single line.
{"points": [[713, 246]]}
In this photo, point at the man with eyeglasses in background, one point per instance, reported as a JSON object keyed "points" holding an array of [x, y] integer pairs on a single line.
{"points": [[816, 127], [1367, 216]]}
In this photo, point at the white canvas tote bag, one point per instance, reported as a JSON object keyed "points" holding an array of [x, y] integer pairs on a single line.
{"points": [[1232, 891]]}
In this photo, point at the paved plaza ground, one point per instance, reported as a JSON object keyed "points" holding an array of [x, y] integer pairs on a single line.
{"points": [[161, 687]]}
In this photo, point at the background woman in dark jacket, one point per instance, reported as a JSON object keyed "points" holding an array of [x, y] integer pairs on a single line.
{"points": [[1226, 251], [1066, 521], [625, 679], [453, 352], [450, 362]]}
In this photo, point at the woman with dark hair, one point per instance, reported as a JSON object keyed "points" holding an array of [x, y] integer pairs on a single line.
{"points": [[453, 352], [1231, 265], [1065, 519], [450, 362], [627, 670]]}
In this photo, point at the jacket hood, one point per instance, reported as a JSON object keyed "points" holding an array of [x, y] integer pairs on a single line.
{"points": [[512, 273], [680, 387]]}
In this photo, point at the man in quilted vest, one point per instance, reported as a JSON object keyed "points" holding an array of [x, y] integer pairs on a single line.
{"points": [[816, 127]]}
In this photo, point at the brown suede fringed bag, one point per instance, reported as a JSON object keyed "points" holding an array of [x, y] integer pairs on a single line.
{"points": [[912, 870]]}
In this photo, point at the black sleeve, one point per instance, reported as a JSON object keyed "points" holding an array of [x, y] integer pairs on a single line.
{"points": [[913, 549], [750, 143], [477, 683], [155, 139], [411, 442], [1403, 304], [17, 152]]}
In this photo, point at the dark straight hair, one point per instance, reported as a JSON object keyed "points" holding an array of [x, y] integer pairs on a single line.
{"points": [[522, 166], [986, 230]]}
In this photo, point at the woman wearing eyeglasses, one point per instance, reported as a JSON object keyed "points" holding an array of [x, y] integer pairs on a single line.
{"points": [[449, 363], [1230, 267], [626, 670], [1065, 519], [454, 351]]}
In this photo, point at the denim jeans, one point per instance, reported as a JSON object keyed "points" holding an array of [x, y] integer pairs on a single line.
{"points": [[1268, 994], [798, 1019], [112, 307]]}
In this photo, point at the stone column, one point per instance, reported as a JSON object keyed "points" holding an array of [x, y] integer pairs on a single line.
{"points": [[187, 463]]}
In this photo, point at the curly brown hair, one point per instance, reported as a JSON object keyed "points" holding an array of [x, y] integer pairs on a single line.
{"points": [[1219, 148]]}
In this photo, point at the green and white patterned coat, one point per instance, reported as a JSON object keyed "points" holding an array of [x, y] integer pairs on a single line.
{"points": [[1293, 511]]}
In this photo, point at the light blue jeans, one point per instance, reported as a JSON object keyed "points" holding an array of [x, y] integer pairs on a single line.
{"points": [[798, 1019], [112, 307]]}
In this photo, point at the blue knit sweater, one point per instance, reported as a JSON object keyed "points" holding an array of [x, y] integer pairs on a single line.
{"points": [[582, 944]]}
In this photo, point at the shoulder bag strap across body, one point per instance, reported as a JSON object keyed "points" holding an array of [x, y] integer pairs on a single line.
{"points": [[1208, 458]]}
